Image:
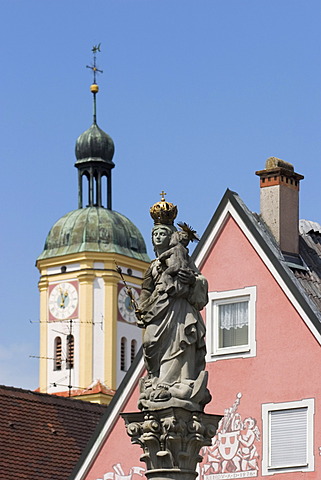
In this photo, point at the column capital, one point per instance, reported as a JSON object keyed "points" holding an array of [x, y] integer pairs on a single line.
{"points": [[171, 439]]}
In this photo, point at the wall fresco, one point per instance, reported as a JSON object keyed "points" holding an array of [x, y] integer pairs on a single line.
{"points": [[119, 474], [233, 453]]}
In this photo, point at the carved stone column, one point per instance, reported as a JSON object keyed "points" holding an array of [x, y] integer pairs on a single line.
{"points": [[171, 439]]}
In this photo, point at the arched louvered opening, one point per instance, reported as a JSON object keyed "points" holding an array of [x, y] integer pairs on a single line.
{"points": [[94, 187], [133, 350], [97, 186], [57, 353], [123, 345], [70, 352]]}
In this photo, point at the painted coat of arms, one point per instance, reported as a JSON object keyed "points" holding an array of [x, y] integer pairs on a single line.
{"points": [[119, 474], [233, 453]]}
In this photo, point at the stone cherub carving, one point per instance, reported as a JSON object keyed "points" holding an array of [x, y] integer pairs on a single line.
{"points": [[173, 293]]}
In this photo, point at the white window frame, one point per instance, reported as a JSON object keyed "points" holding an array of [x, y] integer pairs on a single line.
{"points": [[214, 352], [267, 468]]}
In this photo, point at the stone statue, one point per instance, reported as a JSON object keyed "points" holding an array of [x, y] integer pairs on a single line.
{"points": [[173, 293], [172, 427]]}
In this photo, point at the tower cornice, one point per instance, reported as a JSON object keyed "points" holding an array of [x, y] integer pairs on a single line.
{"points": [[86, 277]]}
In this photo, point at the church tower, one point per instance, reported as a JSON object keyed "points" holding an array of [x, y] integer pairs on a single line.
{"points": [[88, 336]]}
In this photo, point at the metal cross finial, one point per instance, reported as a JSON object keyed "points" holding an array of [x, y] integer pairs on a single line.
{"points": [[163, 195], [93, 67]]}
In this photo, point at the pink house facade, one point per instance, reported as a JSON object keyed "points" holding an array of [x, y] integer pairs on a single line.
{"points": [[263, 346]]}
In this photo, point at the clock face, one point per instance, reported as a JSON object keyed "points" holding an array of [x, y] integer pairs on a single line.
{"points": [[125, 306], [63, 301]]}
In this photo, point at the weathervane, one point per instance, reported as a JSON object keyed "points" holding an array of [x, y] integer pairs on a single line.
{"points": [[93, 67], [94, 87]]}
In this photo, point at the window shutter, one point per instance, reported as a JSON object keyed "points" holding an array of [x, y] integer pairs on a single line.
{"points": [[123, 344], [133, 350], [70, 352], [57, 354], [288, 438]]}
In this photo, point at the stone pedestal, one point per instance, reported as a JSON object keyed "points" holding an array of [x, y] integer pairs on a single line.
{"points": [[171, 439]]}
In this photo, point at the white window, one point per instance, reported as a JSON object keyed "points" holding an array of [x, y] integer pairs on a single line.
{"points": [[230, 324], [288, 437]]}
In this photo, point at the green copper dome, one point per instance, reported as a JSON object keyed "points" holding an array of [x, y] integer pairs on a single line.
{"points": [[95, 145], [94, 229]]}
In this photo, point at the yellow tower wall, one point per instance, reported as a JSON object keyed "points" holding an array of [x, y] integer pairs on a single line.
{"points": [[83, 271]]}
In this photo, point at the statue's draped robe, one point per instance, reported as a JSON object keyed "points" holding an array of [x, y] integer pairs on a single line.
{"points": [[174, 338]]}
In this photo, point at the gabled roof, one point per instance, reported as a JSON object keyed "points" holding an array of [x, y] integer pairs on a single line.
{"points": [[42, 436], [287, 271]]}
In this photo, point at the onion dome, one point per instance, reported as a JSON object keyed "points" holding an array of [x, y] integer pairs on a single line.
{"points": [[94, 229], [95, 145], [94, 152]]}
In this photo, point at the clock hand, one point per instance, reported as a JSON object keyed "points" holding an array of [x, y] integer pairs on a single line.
{"points": [[129, 291], [63, 297]]}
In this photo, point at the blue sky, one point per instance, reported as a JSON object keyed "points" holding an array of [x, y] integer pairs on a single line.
{"points": [[196, 95]]}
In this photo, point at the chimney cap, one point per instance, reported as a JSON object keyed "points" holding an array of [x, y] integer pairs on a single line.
{"points": [[275, 167], [274, 162]]}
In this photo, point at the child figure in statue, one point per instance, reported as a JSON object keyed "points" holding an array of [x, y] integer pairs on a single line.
{"points": [[176, 257]]}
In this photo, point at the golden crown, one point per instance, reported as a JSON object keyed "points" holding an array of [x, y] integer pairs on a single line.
{"points": [[163, 213]]}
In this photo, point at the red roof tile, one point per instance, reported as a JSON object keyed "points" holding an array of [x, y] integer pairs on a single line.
{"points": [[42, 436]]}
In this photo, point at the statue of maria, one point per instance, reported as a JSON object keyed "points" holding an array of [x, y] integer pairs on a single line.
{"points": [[173, 293]]}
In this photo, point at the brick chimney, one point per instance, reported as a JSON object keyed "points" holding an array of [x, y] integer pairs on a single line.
{"points": [[279, 199]]}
